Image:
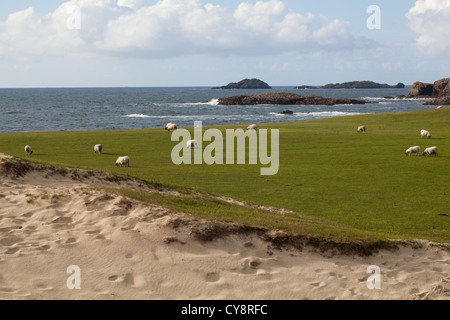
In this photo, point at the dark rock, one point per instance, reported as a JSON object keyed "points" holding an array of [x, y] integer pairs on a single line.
{"points": [[441, 88], [444, 101], [401, 97], [440, 91], [421, 90], [285, 98], [286, 112], [246, 84], [362, 85]]}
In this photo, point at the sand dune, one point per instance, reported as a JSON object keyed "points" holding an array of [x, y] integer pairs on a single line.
{"points": [[50, 220]]}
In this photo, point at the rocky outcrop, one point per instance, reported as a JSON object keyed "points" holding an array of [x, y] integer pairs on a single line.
{"points": [[441, 88], [421, 90], [285, 98], [246, 84], [444, 101], [286, 112], [440, 91]]}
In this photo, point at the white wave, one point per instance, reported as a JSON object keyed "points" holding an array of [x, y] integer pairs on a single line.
{"points": [[393, 99], [142, 116], [319, 114], [323, 114], [327, 114], [213, 102]]}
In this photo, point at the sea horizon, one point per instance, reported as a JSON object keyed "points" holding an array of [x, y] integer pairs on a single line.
{"points": [[213, 87]]}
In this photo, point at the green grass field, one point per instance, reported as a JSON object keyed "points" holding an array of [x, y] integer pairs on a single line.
{"points": [[343, 185]]}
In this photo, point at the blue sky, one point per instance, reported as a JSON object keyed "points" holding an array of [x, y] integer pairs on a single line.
{"points": [[211, 42]]}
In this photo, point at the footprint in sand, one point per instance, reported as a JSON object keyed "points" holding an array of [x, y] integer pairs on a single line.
{"points": [[62, 220], [90, 232], [115, 279], [5, 230], [28, 215], [318, 284], [212, 277], [71, 241], [12, 251], [45, 247], [129, 256], [130, 280], [10, 241]]}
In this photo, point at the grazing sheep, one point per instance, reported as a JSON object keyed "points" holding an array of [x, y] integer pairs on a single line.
{"points": [[172, 127], [28, 150], [425, 134], [252, 127], [98, 148], [192, 144], [361, 129], [123, 161], [430, 151], [415, 150], [168, 125]]}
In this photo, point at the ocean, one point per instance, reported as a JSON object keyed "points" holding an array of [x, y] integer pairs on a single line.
{"points": [[79, 109]]}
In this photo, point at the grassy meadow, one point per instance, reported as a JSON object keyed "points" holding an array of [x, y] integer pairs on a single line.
{"points": [[342, 185]]}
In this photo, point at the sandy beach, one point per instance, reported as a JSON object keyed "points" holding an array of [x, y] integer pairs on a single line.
{"points": [[52, 219]]}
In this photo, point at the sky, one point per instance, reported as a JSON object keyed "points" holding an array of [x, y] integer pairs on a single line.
{"points": [[146, 43]]}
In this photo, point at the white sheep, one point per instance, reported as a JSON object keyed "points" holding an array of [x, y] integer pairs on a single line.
{"points": [[415, 150], [361, 129], [123, 161], [252, 127], [192, 144], [430, 151], [98, 148], [28, 150], [172, 127], [425, 134], [168, 125]]}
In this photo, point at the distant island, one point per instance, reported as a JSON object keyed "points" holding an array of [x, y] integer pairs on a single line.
{"points": [[356, 85], [246, 84], [285, 98], [307, 87]]}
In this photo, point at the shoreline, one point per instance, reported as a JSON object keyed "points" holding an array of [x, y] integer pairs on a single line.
{"points": [[157, 105], [132, 250], [287, 116]]}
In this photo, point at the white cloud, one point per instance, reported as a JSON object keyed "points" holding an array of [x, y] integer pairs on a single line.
{"points": [[168, 28], [430, 19]]}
